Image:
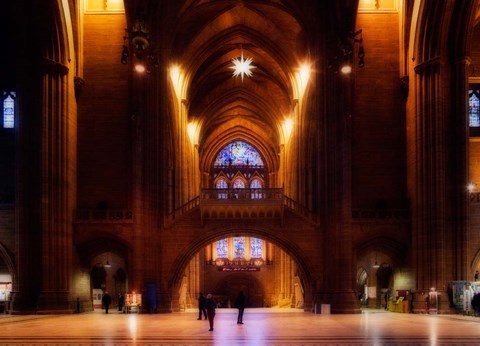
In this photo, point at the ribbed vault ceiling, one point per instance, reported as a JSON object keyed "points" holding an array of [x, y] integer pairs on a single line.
{"points": [[208, 35]]}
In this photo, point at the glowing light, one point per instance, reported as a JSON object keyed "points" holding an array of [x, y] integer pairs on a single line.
{"points": [[192, 132], [140, 68], [346, 69], [242, 67], [471, 187], [287, 128], [302, 76], [176, 77]]}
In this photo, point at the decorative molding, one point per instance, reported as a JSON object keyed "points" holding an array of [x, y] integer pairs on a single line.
{"points": [[53, 67], [429, 65], [79, 84]]}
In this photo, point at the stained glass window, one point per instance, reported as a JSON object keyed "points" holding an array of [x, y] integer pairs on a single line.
{"points": [[9, 110], [239, 247], [256, 184], [238, 184], [238, 153], [256, 247], [222, 248], [221, 184], [474, 108]]}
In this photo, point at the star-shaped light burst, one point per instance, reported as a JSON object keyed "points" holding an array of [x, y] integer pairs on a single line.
{"points": [[242, 67]]}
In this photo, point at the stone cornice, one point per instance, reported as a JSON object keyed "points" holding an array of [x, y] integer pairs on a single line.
{"points": [[53, 67]]}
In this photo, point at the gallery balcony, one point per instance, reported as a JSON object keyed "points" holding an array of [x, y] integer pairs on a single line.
{"points": [[241, 203]]}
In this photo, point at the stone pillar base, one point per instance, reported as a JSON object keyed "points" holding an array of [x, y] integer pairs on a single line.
{"points": [[55, 303], [19, 304], [344, 302]]}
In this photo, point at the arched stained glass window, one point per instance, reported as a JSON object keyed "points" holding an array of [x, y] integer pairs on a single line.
{"points": [[239, 247], [222, 248], [238, 153], [9, 110], [474, 108], [256, 247], [238, 184], [256, 184], [222, 184]]}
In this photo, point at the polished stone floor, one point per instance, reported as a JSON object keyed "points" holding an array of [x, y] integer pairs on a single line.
{"points": [[280, 327]]}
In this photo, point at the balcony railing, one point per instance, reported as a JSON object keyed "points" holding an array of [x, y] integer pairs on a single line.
{"points": [[102, 216], [219, 196]]}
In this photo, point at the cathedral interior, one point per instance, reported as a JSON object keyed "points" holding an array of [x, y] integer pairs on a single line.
{"points": [[308, 153]]}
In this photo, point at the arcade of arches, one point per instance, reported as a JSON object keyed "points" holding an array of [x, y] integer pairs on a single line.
{"points": [[177, 147]]}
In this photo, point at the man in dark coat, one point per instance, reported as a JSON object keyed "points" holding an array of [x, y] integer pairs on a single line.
{"points": [[240, 305], [201, 306], [210, 305], [106, 300]]}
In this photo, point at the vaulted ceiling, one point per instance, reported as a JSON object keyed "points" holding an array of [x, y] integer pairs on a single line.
{"points": [[203, 36]]}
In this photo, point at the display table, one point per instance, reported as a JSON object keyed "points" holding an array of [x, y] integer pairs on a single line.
{"points": [[398, 306]]}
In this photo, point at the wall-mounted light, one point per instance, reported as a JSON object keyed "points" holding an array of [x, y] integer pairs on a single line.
{"points": [[376, 265], [137, 45], [343, 60], [471, 187], [107, 264]]}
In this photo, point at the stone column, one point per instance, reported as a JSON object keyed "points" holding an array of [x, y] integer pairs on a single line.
{"points": [[58, 163]]}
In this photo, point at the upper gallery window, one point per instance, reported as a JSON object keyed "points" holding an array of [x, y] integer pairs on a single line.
{"points": [[8, 109], [238, 153], [474, 108]]}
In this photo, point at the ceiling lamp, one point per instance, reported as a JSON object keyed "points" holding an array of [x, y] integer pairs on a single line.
{"points": [[242, 67], [136, 43]]}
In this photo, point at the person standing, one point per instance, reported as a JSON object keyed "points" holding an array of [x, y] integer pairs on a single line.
{"points": [[201, 306], [106, 300], [240, 305], [121, 302], [210, 305]]}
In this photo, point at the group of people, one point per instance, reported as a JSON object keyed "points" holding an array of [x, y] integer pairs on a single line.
{"points": [[207, 305], [107, 300]]}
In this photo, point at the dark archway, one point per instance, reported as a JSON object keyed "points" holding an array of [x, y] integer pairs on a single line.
{"points": [[304, 268]]}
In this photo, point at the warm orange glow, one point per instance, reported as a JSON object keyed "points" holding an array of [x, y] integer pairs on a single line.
{"points": [[140, 68], [176, 76], [302, 77], [287, 129], [346, 69], [471, 187], [192, 132]]}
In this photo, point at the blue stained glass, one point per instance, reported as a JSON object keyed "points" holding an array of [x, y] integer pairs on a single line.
{"points": [[256, 184], [256, 246], [239, 247], [474, 109], [221, 184], [222, 248], [238, 184], [238, 153], [8, 112]]}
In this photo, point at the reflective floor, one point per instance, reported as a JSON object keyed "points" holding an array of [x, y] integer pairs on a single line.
{"points": [[272, 327]]}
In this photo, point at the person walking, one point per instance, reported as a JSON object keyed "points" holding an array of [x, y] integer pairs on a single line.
{"points": [[240, 305], [106, 300], [201, 306], [210, 305]]}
